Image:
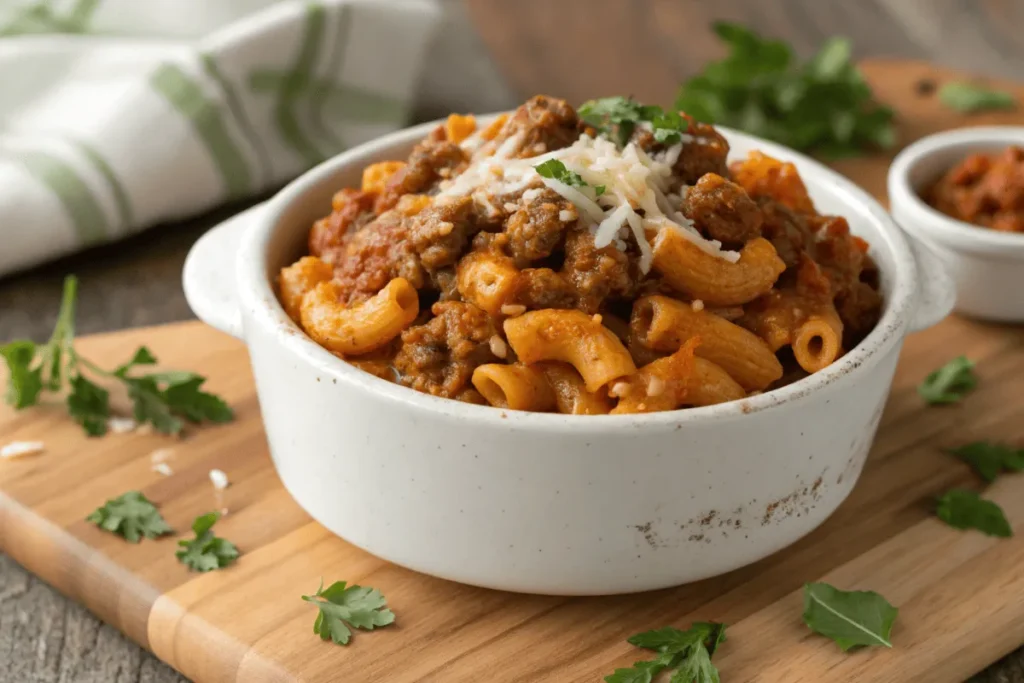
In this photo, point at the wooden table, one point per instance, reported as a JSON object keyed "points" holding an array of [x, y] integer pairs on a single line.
{"points": [[519, 47]]}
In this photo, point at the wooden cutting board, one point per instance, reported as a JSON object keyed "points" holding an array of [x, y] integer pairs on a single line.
{"points": [[961, 594]]}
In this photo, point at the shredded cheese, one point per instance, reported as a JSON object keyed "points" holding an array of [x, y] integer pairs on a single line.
{"points": [[121, 425], [219, 479], [636, 198]]}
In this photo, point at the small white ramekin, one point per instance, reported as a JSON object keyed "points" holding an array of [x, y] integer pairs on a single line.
{"points": [[987, 265]]}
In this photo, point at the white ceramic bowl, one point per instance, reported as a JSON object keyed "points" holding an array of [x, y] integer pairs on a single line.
{"points": [[550, 503], [987, 265]]}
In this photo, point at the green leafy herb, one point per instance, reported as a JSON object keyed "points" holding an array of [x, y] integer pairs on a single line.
{"points": [[164, 399], [132, 516], [617, 117], [971, 97], [991, 459], [967, 510], [949, 383], [824, 105], [556, 170], [687, 652], [206, 551], [343, 608], [599, 190], [850, 618]]}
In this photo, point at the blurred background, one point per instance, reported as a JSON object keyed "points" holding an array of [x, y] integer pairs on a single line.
{"points": [[486, 55]]}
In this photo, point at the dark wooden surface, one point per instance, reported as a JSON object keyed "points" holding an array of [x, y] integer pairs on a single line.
{"points": [[574, 48]]}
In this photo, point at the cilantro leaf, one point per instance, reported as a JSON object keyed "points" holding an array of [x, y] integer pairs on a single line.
{"points": [[990, 459], [617, 117], [149, 405], [599, 190], [963, 509], [343, 608], [132, 516], [89, 405], [206, 551], [949, 383], [688, 652], [823, 105], [556, 170], [24, 383], [850, 618], [184, 397], [971, 97]]}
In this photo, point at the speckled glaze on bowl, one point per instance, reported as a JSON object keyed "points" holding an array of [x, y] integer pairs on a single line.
{"points": [[547, 503]]}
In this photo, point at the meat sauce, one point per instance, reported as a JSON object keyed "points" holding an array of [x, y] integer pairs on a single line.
{"points": [[985, 190]]}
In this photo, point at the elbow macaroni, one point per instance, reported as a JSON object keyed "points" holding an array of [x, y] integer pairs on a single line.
{"points": [[650, 321], [353, 330], [573, 337], [687, 268], [664, 324]]}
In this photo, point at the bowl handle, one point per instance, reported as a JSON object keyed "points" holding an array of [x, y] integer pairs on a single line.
{"points": [[936, 292], [209, 274]]}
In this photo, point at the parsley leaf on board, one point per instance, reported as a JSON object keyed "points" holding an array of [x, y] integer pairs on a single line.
{"points": [[206, 551], [132, 516], [164, 399], [687, 652], [971, 97], [989, 459], [343, 608], [964, 509], [823, 105], [850, 618], [949, 383]]}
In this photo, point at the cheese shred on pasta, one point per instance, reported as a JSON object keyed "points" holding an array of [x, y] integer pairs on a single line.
{"points": [[636, 199]]}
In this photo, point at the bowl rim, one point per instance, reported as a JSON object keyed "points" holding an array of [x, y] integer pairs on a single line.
{"points": [[920, 218], [258, 299]]}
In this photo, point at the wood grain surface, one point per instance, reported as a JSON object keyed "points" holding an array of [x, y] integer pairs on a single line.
{"points": [[961, 594], [45, 638]]}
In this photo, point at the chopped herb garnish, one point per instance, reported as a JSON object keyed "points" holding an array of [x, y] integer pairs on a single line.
{"points": [[967, 510], [949, 383], [617, 118], [556, 170], [850, 618], [687, 652], [991, 459], [206, 551], [824, 105], [132, 516], [164, 399], [599, 190], [971, 97], [345, 608]]}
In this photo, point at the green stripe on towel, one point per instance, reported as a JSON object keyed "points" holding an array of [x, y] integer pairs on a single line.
{"points": [[335, 63], [295, 84], [124, 205], [185, 95], [85, 212], [238, 111]]}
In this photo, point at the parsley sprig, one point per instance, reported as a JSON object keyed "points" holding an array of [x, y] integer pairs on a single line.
{"points": [[618, 117], [206, 551], [850, 618], [132, 516], [687, 652], [163, 399], [343, 608], [556, 170], [950, 383], [962, 509], [971, 97], [824, 105], [989, 459]]}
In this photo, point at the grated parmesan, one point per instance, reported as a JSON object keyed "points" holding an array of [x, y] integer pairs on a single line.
{"points": [[122, 425], [636, 196], [219, 479], [20, 449], [162, 468]]}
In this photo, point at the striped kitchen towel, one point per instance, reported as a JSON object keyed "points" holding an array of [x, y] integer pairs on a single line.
{"points": [[116, 115]]}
